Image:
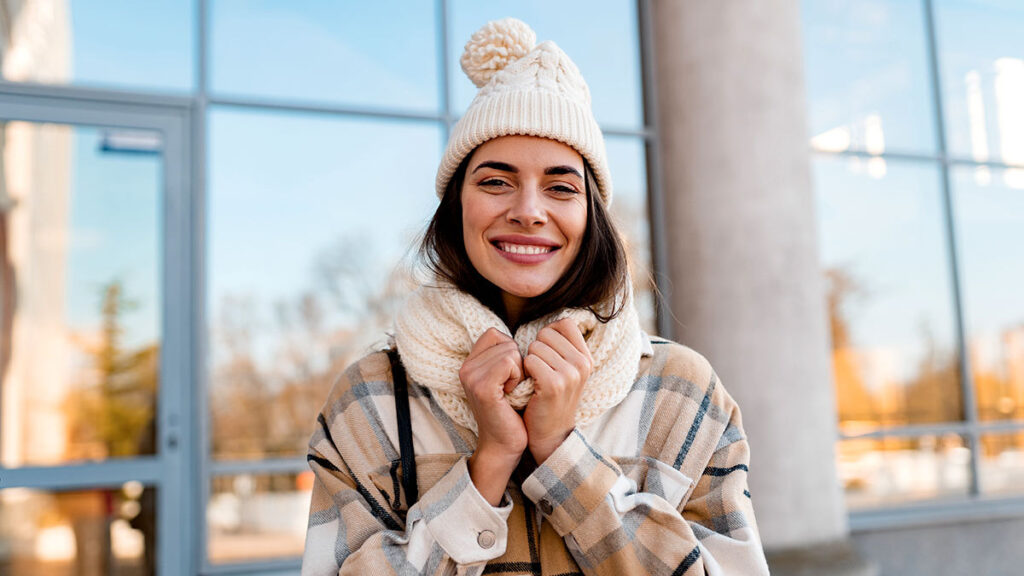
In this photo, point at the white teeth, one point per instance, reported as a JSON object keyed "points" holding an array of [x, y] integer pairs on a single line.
{"points": [[523, 248]]}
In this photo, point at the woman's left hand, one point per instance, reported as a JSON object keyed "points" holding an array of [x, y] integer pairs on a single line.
{"points": [[559, 363]]}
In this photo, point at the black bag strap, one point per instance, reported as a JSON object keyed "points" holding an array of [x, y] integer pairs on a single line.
{"points": [[405, 449]]}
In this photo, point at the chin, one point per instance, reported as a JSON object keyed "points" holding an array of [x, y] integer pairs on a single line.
{"points": [[525, 291]]}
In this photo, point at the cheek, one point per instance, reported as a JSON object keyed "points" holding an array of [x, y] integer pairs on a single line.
{"points": [[575, 225], [474, 224]]}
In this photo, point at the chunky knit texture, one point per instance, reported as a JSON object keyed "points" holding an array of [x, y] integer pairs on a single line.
{"points": [[524, 90], [438, 326]]}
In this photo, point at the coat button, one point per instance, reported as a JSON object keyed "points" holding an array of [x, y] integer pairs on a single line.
{"points": [[545, 507], [485, 539]]}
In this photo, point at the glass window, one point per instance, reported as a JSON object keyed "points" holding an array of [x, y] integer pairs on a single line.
{"points": [[982, 68], [377, 54], [603, 42], [627, 160], [100, 531], [868, 86], [889, 294], [79, 273], [990, 233], [1002, 463], [258, 516], [880, 471], [146, 45], [308, 217]]}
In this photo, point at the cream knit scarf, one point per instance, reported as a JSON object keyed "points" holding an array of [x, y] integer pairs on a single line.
{"points": [[438, 325]]}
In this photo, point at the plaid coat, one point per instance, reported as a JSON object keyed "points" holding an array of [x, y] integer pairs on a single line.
{"points": [[657, 485]]}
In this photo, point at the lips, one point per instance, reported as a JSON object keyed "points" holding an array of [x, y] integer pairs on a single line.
{"points": [[524, 249]]}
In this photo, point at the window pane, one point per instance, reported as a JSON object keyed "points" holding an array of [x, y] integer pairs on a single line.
{"points": [[79, 257], [308, 217], [102, 531], [868, 85], [982, 67], [1002, 463], [126, 44], [885, 256], [603, 43], [627, 161], [378, 54], [990, 234], [879, 472], [258, 516]]}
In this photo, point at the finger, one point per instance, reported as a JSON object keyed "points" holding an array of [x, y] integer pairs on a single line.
{"points": [[561, 344], [540, 371], [498, 349], [490, 338], [493, 356], [517, 373], [482, 365], [568, 328], [551, 358], [509, 372]]}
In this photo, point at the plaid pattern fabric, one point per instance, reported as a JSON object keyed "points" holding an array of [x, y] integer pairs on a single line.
{"points": [[657, 485]]}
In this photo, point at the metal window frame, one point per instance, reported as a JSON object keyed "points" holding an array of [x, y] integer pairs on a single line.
{"points": [[185, 492], [170, 470], [975, 505], [446, 118]]}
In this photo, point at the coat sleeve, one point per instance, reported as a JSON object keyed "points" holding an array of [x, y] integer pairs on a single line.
{"points": [[612, 528], [452, 529]]}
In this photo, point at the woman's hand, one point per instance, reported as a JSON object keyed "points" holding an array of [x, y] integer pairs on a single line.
{"points": [[493, 367], [559, 363]]}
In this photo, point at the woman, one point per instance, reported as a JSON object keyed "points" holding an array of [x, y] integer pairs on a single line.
{"points": [[551, 435]]}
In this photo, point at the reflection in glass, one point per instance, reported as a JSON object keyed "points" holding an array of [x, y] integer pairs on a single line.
{"points": [[82, 533], [982, 68], [80, 312], [258, 516], [867, 77], [627, 161], [878, 472], [308, 218], [603, 43], [889, 295], [125, 44], [1002, 463], [378, 54], [990, 234]]}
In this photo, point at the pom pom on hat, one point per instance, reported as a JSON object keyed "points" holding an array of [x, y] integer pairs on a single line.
{"points": [[494, 46]]}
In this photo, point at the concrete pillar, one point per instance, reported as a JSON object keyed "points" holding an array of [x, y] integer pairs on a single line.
{"points": [[745, 284]]}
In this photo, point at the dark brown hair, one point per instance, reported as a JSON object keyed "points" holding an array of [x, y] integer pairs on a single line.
{"points": [[594, 278]]}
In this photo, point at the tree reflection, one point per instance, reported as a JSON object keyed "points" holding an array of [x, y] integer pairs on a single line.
{"points": [[111, 413], [270, 380], [874, 386]]}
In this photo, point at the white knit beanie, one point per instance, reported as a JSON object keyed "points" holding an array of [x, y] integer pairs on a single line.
{"points": [[526, 90]]}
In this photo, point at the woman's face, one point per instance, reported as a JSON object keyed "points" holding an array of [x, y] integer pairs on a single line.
{"points": [[524, 212]]}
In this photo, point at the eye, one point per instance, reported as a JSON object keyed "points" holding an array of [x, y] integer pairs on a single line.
{"points": [[564, 190], [493, 183]]}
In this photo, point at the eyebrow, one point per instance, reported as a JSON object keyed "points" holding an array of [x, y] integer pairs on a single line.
{"points": [[561, 170], [497, 166], [505, 167]]}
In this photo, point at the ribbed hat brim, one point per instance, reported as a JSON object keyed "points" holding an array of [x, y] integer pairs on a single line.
{"points": [[527, 113]]}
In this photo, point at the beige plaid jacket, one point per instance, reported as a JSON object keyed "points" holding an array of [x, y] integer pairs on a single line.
{"points": [[657, 485]]}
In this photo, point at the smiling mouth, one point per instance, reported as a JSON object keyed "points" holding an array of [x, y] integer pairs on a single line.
{"points": [[527, 249]]}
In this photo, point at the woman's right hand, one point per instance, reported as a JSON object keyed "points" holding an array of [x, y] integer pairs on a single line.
{"points": [[494, 366]]}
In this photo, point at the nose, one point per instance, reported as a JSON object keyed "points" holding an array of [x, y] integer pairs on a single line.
{"points": [[527, 207]]}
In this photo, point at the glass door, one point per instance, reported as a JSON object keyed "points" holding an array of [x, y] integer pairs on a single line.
{"points": [[95, 377]]}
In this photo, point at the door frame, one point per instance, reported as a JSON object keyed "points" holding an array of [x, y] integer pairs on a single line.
{"points": [[173, 470]]}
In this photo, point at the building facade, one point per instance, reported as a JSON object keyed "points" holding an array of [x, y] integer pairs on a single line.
{"points": [[207, 208]]}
